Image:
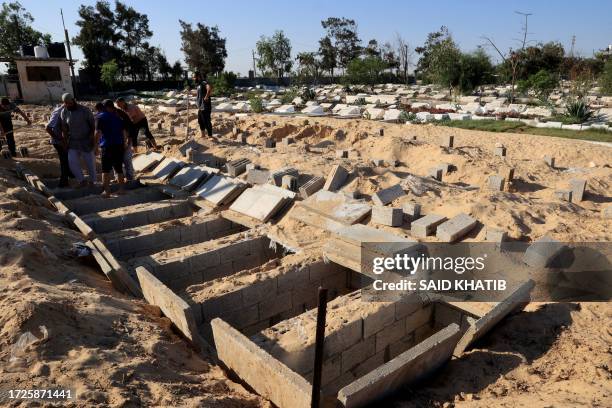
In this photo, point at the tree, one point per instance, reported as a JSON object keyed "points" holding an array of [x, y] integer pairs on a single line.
{"points": [[177, 71], [327, 52], [203, 47], [605, 80], [224, 83], [163, 66], [387, 53], [342, 33], [308, 67], [109, 73], [274, 54], [440, 59], [16, 30], [541, 83], [513, 59], [403, 52], [132, 29], [476, 69], [97, 37], [371, 50], [365, 71]]}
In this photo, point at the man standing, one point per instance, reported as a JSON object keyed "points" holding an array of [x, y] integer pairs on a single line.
{"points": [[112, 136], [54, 129], [139, 121], [78, 130], [204, 104], [6, 123]]}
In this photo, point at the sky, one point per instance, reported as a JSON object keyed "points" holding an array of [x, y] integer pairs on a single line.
{"points": [[242, 22]]}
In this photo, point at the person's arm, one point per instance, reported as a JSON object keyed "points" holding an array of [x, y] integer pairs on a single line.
{"points": [[23, 115], [64, 128], [208, 92], [93, 127]]}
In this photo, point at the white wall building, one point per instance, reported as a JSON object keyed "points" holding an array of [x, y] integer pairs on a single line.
{"points": [[43, 80]]}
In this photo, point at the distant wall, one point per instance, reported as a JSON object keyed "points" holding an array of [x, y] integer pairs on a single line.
{"points": [[46, 92]]}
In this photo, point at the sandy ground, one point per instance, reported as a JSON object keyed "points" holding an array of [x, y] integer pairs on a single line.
{"points": [[117, 351]]}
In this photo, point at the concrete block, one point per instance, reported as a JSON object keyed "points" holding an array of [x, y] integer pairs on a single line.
{"points": [[358, 353], [412, 211], [495, 182], [241, 138], [507, 173], [409, 366], [550, 161], [578, 186], [311, 186], [542, 251], [392, 217], [237, 167], [426, 225], [276, 177], [380, 318], [286, 141], [342, 154], [495, 235], [455, 228], [391, 334], [269, 143], [275, 305], [435, 173], [447, 141], [289, 182], [378, 162], [606, 211], [256, 176], [336, 178], [500, 150], [420, 317], [266, 375], [564, 195], [387, 195]]}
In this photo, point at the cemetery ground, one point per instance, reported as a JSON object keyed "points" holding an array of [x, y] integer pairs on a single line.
{"points": [[116, 350]]}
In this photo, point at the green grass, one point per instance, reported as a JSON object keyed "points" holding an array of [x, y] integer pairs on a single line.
{"points": [[502, 126]]}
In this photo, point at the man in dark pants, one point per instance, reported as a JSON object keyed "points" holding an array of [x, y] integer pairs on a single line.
{"points": [[54, 129], [112, 136], [204, 104], [6, 123], [139, 122]]}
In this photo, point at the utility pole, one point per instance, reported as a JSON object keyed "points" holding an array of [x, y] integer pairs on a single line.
{"points": [[573, 44], [254, 65], [71, 62]]}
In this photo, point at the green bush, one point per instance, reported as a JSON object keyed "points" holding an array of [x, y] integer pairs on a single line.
{"points": [[289, 96], [605, 80], [256, 104], [223, 85], [577, 111], [407, 117], [542, 84]]}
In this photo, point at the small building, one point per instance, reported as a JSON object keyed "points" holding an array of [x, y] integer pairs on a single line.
{"points": [[38, 80]]}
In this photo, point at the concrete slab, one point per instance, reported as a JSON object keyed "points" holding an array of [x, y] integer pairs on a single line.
{"points": [[92, 204], [145, 162], [166, 169], [337, 207], [336, 178], [220, 190], [189, 177], [455, 228], [258, 203], [171, 305], [516, 301], [387, 195], [407, 367]]}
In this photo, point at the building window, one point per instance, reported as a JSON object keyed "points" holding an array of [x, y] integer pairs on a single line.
{"points": [[43, 74]]}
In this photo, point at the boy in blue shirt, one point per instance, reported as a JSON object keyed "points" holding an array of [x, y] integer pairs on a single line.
{"points": [[111, 135]]}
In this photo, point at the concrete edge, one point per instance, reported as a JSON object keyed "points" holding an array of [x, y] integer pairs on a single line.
{"points": [[107, 270], [517, 300], [81, 225], [172, 306], [409, 366], [266, 375], [127, 281]]}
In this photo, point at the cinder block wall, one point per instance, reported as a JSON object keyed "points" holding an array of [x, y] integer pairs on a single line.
{"points": [[276, 295], [360, 336], [145, 240]]}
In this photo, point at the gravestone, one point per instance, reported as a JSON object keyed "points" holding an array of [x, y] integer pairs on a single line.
{"points": [[435, 173], [495, 182], [448, 141], [337, 177], [500, 150], [387, 195], [578, 186]]}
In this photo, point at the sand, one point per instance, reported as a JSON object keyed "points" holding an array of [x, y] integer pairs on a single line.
{"points": [[117, 351]]}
